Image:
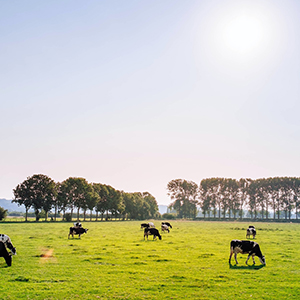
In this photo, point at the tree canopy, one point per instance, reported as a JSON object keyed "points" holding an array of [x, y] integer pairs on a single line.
{"points": [[39, 192]]}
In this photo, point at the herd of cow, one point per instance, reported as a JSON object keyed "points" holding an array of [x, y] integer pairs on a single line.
{"points": [[236, 246]]}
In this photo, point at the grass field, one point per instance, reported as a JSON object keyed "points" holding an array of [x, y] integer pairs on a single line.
{"points": [[112, 261]]}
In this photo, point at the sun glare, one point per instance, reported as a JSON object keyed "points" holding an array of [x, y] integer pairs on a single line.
{"points": [[243, 34]]}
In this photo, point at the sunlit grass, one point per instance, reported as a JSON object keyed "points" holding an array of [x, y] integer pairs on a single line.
{"points": [[112, 261]]}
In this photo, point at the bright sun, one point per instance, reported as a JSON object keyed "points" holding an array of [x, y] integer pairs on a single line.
{"points": [[243, 34]]}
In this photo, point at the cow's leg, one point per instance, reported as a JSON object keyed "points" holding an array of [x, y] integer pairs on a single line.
{"points": [[231, 252], [248, 258], [235, 255], [253, 259]]}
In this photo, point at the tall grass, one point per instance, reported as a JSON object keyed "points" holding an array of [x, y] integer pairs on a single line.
{"points": [[112, 261]]}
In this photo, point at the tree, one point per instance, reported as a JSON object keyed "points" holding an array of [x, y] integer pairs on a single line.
{"points": [[37, 191], [129, 205], [152, 203], [243, 193], [91, 200], [3, 213], [23, 195], [81, 189], [185, 196], [73, 193], [205, 196], [230, 192], [102, 204]]}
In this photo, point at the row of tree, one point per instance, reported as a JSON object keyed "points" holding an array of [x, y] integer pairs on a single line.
{"points": [[40, 192], [226, 197]]}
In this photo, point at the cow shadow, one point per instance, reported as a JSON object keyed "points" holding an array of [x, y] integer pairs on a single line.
{"points": [[253, 267]]}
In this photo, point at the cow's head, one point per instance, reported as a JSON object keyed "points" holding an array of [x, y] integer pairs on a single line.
{"points": [[262, 260], [86, 230], [11, 248]]}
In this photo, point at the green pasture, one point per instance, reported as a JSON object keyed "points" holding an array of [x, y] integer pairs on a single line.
{"points": [[112, 261]]}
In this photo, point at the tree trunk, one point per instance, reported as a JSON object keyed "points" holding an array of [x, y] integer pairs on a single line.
{"points": [[55, 213], [26, 214]]}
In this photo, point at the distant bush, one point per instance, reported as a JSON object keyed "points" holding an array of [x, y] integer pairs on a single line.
{"points": [[68, 217], [169, 216], [15, 214], [3, 213]]}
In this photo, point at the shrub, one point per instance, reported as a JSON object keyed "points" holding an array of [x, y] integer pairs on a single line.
{"points": [[15, 214], [68, 217], [169, 216], [3, 213]]}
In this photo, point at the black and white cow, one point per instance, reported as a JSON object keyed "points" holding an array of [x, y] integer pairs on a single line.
{"points": [[77, 230], [5, 254], [145, 225], [164, 227], [251, 231], [246, 247], [151, 231], [77, 224], [167, 223], [151, 224], [7, 242]]}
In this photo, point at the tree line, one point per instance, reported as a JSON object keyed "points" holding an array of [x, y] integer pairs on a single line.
{"points": [[41, 193], [227, 198]]}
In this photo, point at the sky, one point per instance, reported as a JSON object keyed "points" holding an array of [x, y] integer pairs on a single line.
{"points": [[135, 94]]}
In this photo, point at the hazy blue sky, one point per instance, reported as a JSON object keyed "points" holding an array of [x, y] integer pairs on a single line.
{"points": [[136, 93]]}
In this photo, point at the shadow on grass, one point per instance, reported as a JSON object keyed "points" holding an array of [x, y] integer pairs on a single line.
{"points": [[253, 267]]}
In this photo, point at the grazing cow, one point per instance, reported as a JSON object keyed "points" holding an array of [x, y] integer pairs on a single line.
{"points": [[7, 242], [246, 247], [151, 224], [77, 225], [145, 225], [75, 230], [5, 254], [251, 231], [167, 223], [165, 227], [151, 231]]}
